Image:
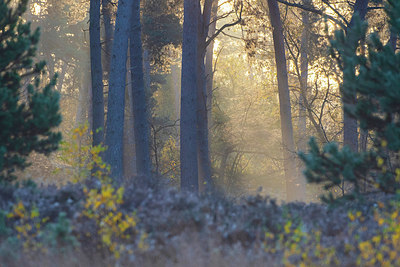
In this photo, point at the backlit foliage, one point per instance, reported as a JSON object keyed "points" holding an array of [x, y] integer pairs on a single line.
{"points": [[81, 159]]}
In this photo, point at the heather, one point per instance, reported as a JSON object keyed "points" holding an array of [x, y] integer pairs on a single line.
{"points": [[79, 224]]}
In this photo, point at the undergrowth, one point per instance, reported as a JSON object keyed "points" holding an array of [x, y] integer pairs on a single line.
{"points": [[94, 220]]}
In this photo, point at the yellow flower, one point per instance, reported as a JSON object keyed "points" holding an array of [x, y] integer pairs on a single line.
{"points": [[376, 239], [287, 227], [379, 257], [380, 161], [34, 213], [106, 238], [365, 246], [384, 143]]}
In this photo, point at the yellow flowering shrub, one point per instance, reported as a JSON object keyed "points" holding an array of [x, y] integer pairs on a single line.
{"points": [[383, 248], [28, 226], [295, 241], [103, 207], [81, 159]]}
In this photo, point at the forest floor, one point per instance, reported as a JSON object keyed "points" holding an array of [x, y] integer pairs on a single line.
{"points": [[97, 224]]}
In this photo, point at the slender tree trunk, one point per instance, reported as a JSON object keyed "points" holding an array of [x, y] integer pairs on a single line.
{"points": [[96, 74], [202, 129], [147, 71], [129, 160], [350, 125], [116, 93], [141, 118], [83, 101], [176, 87], [294, 187], [203, 149], [108, 34], [107, 45], [302, 122], [188, 131], [209, 62], [393, 39]]}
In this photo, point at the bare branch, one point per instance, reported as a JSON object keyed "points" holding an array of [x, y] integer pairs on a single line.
{"points": [[226, 26], [335, 10], [316, 11]]}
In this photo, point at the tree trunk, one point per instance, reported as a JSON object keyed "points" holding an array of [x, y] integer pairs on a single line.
{"points": [[176, 88], [393, 39], [96, 74], [302, 122], [203, 149], [141, 119], [108, 34], [294, 187], [350, 125], [209, 62], [129, 160], [83, 102], [147, 71], [188, 131], [116, 92]]}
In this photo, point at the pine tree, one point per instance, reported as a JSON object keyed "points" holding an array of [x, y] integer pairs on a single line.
{"points": [[27, 113], [373, 78]]}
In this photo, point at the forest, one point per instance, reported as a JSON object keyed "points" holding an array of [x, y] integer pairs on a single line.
{"points": [[199, 133]]}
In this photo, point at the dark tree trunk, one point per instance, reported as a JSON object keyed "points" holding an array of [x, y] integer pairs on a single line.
{"points": [[129, 160], [204, 162], [141, 119], [188, 123], [116, 92], [96, 74], [294, 187], [108, 34], [350, 125], [393, 39]]}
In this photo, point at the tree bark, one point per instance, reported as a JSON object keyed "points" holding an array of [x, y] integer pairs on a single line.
{"points": [[83, 102], [188, 124], [175, 72], [96, 74], [302, 122], [203, 148], [129, 160], [393, 39], [141, 118], [116, 93], [294, 186], [108, 34], [350, 125], [209, 62]]}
